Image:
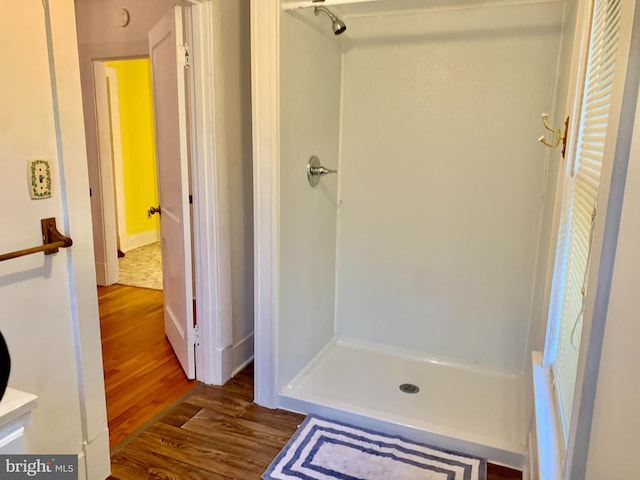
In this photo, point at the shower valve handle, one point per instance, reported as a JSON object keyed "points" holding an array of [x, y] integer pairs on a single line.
{"points": [[321, 171], [315, 170]]}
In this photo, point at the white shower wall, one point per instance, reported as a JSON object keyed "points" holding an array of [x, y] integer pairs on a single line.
{"points": [[309, 125], [441, 177]]}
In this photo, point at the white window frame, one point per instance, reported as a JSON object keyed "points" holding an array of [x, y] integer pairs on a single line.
{"points": [[569, 184], [579, 59], [619, 131]]}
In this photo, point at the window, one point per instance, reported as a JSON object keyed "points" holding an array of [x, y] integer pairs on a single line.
{"points": [[580, 202]]}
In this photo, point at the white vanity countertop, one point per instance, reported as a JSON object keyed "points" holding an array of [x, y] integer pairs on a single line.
{"points": [[14, 404]]}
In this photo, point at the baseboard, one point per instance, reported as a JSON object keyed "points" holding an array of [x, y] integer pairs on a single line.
{"points": [[531, 462], [129, 242], [236, 357], [97, 461], [242, 366], [82, 467], [101, 274]]}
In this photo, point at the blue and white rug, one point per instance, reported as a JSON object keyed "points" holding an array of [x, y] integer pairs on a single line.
{"points": [[323, 450]]}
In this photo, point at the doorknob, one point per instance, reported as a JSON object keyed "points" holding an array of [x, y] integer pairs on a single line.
{"points": [[153, 210]]}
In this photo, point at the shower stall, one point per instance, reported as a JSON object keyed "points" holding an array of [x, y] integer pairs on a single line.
{"points": [[416, 264]]}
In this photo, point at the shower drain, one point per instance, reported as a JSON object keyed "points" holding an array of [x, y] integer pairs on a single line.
{"points": [[409, 388]]}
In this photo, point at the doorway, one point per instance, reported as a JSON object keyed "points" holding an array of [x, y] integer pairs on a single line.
{"points": [[128, 112], [125, 94], [142, 374], [218, 135]]}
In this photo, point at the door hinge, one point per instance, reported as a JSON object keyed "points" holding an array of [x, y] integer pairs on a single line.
{"points": [[196, 335], [190, 199], [183, 56]]}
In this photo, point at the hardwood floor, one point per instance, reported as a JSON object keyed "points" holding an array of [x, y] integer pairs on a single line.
{"points": [[217, 433], [497, 472], [142, 375]]}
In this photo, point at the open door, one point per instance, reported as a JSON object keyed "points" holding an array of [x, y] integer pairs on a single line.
{"points": [[169, 70]]}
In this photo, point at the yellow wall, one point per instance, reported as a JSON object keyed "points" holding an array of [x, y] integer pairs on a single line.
{"points": [[138, 149]]}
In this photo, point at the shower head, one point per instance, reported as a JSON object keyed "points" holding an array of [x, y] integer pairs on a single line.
{"points": [[338, 25]]}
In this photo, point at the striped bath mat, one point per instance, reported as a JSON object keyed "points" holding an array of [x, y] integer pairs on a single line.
{"points": [[323, 450]]}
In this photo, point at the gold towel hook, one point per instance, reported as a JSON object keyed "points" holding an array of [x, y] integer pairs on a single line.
{"points": [[560, 135]]}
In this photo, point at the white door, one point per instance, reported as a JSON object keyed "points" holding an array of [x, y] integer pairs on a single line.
{"points": [[169, 86]]}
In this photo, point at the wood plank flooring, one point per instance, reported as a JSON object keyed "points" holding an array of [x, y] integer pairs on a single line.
{"points": [[218, 433], [142, 375]]}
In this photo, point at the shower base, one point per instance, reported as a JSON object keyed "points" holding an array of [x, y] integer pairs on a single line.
{"points": [[459, 407]]}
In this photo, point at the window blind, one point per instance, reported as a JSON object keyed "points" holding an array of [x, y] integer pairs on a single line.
{"points": [[580, 210]]}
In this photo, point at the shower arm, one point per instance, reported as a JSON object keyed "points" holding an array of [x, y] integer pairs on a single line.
{"points": [[286, 6], [319, 8]]}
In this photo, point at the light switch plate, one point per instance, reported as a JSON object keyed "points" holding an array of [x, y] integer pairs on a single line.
{"points": [[39, 174]]}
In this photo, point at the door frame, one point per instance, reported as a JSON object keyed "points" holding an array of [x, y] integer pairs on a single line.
{"points": [[211, 244], [265, 87], [108, 181], [118, 176], [105, 84], [75, 208]]}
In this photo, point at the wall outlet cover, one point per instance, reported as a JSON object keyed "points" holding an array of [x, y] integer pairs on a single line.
{"points": [[39, 173]]}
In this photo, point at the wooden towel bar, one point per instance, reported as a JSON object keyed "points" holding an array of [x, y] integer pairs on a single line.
{"points": [[52, 240]]}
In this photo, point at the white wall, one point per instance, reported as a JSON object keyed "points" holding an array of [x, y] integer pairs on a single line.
{"points": [[442, 178], [48, 305], [233, 144], [309, 124]]}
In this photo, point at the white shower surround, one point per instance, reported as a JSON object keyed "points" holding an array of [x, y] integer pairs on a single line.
{"points": [[441, 178], [314, 74]]}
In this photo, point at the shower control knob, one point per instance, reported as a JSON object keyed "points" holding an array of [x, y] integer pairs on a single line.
{"points": [[322, 171], [315, 170]]}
